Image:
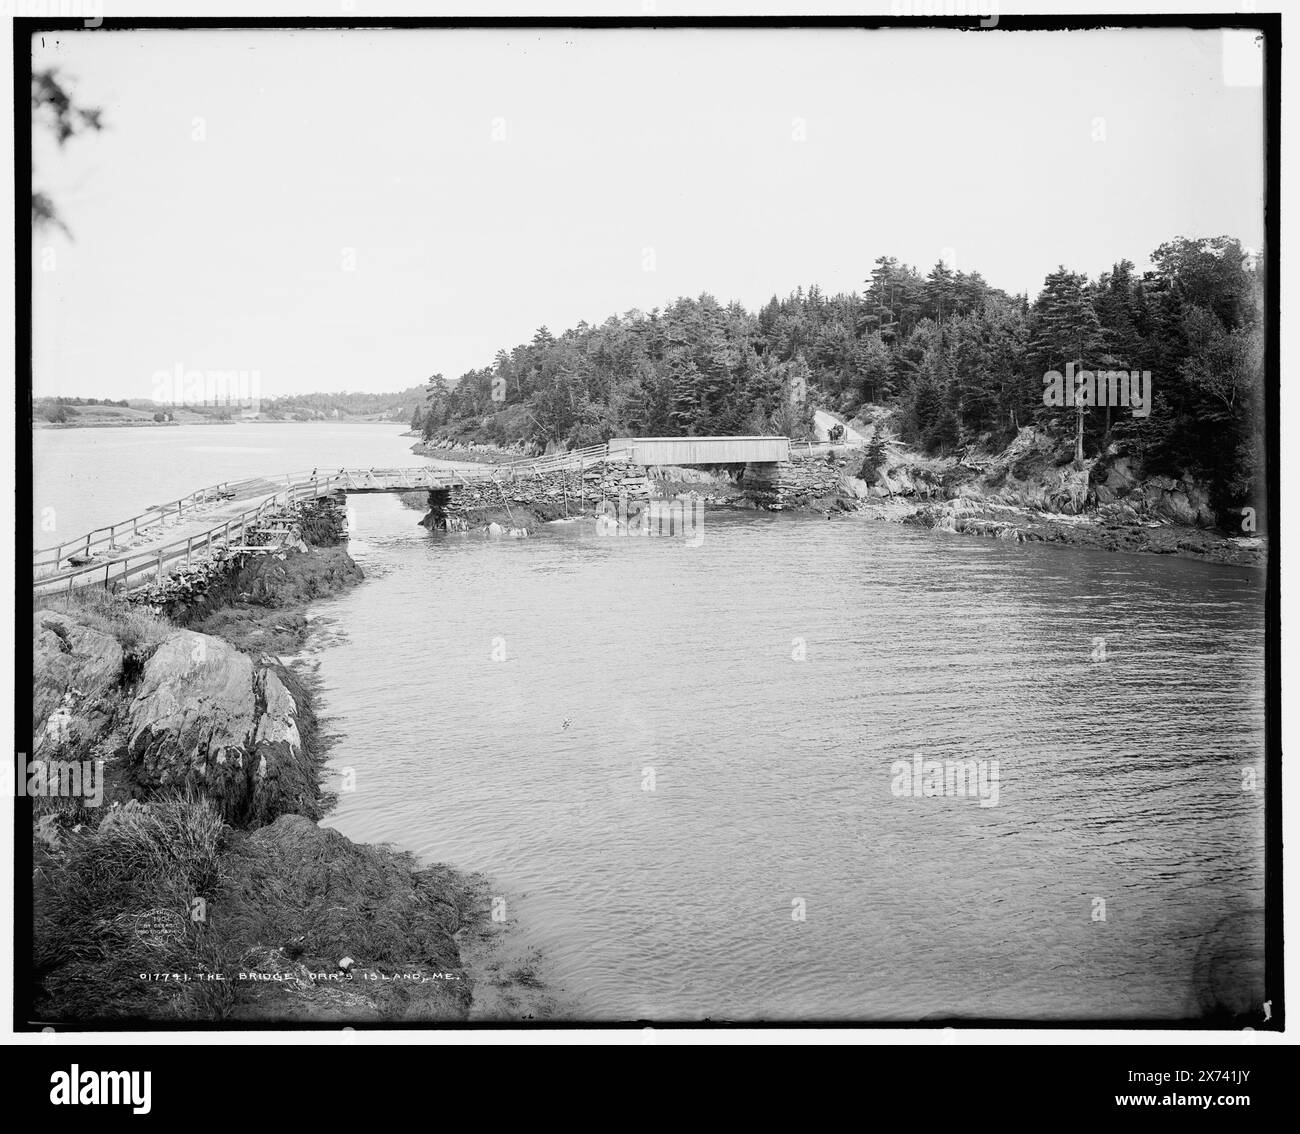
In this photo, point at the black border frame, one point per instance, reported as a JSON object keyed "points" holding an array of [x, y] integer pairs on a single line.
{"points": [[1268, 24]]}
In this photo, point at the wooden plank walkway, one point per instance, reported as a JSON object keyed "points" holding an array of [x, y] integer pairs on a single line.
{"points": [[167, 535], [180, 532]]}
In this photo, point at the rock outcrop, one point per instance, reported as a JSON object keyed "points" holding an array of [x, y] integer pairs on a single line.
{"points": [[1159, 497], [77, 671], [206, 716]]}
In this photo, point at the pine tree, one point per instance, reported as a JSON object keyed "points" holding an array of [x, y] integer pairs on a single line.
{"points": [[940, 289], [1066, 330]]}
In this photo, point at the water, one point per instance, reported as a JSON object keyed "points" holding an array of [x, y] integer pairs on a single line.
{"points": [[1119, 780], [86, 478]]}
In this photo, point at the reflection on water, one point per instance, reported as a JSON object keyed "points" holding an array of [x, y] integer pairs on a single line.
{"points": [[675, 763]]}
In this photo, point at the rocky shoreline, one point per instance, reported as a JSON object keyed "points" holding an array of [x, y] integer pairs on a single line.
{"points": [[195, 882], [1024, 494], [443, 449], [1032, 493]]}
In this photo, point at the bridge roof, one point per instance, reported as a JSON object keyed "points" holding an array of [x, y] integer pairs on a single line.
{"points": [[701, 450]]}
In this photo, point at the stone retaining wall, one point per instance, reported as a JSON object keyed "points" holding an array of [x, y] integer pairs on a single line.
{"points": [[547, 495], [781, 485], [186, 589]]}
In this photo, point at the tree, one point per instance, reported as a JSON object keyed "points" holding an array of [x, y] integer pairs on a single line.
{"points": [[875, 457], [875, 368], [940, 290], [53, 109], [1212, 273], [438, 405], [1066, 332], [925, 410], [956, 356]]}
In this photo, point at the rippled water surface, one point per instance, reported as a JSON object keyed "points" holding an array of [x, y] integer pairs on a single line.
{"points": [[768, 680], [764, 683]]}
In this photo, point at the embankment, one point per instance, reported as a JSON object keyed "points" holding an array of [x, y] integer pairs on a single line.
{"points": [[187, 878], [1032, 491], [446, 449]]}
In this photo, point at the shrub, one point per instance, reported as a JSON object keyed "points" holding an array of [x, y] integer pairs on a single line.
{"points": [[115, 901], [874, 458], [138, 631]]}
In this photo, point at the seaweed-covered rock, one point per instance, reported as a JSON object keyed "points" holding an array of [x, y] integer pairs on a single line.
{"points": [[301, 898], [76, 667], [205, 715]]}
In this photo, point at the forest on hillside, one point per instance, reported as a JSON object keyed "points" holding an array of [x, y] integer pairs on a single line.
{"points": [[357, 403], [961, 362]]}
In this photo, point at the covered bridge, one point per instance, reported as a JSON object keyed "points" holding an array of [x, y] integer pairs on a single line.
{"points": [[700, 450]]}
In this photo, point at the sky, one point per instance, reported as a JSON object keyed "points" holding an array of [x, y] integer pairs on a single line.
{"points": [[358, 210]]}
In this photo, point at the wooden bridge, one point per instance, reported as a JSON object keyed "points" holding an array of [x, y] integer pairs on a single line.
{"points": [[225, 516]]}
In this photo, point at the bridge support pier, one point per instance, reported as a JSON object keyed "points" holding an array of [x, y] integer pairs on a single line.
{"points": [[436, 520], [767, 483]]}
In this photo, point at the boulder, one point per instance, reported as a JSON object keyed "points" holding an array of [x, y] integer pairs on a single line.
{"points": [[283, 774], [205, 715], [194, 713], [1119, 477], [74, 659]]}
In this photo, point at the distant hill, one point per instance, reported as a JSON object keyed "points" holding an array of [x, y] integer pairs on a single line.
{"points": [[343, 406], [398, 406]]}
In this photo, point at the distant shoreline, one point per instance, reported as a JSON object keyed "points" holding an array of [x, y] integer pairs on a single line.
{"points": [[156, 424], [101, 424]]}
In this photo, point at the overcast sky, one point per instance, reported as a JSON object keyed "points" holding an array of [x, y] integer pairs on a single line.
{"points": [[344, 210]]}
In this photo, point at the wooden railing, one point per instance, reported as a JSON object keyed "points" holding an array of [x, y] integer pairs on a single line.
{"points": [[229, 533], [154, 514], [819, 448], [575, 458]]}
